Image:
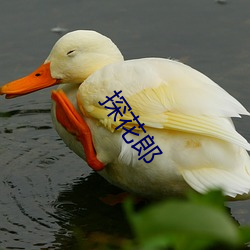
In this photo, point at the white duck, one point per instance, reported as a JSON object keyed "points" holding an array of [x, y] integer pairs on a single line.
{"points": [[187, 114]]}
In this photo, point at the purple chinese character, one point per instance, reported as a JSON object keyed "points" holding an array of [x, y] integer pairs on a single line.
{"points": [[115, 109], [145, 143], [110, 98], [124, 108], [140, 124], [124, 122], [127, 132], [153, 154]]}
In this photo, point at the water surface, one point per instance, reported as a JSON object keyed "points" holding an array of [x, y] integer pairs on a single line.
{"points": [[46, 190]]}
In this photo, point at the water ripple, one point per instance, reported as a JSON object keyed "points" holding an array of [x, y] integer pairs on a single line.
{"points": [[26, 112]]}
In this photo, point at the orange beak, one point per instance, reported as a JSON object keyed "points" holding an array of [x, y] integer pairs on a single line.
{"points": [[41, 78]]}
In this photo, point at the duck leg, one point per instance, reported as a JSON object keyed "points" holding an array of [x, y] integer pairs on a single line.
{"points": [[71, 120]]}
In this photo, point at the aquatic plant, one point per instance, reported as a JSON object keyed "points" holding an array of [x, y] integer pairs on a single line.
{"points": [[198, 222]]}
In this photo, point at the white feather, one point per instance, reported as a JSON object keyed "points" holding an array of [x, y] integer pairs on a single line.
{"points": [[188, 114]]}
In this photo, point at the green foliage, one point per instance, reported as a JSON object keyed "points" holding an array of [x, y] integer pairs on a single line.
{"points": [[197, 223], [200, 222]]}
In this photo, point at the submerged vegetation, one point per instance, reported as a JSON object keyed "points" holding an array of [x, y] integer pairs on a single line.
{"points": [[196, 223]]}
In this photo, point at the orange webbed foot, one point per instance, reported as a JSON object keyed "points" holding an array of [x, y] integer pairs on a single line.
{"points": [[114, 199], [71, 120]]}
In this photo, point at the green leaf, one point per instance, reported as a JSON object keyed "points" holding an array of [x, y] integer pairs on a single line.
{"points": [[175, 223], [245, 234], [212, 197]]}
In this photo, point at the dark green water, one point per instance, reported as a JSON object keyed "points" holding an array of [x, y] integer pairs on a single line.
{"points": [[46, 190]]}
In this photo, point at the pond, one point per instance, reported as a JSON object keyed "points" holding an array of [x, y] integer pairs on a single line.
{"points": [[46, 190]]}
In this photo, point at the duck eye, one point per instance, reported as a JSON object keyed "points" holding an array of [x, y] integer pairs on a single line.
{"points": [[70, 52]]}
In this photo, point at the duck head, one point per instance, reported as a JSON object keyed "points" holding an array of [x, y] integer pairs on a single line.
{"points": [[74, 57]]}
